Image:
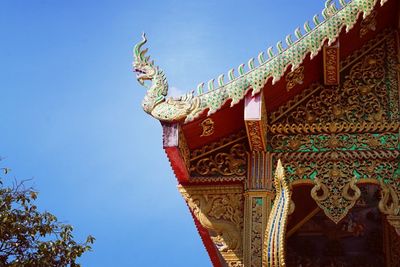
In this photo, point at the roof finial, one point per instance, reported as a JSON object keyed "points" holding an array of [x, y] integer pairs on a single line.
{"points": [[231, 75], [307, 27], [261, 58], [342, 3], [289, 40], [200, 87], [270, 52], [329, 10], [250, 63], [221, 80], [279, 46], [210, 85], [316, 20], [241, 69], [298, 33]]}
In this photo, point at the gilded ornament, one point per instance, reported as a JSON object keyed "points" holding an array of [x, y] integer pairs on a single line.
{"points": [[274, 238], [220, 211], [368, 24], [254, 133], [232, 162], [218, 145], [364, 99], [335, 193], [190, 106], [207, 126], [294, 78]]}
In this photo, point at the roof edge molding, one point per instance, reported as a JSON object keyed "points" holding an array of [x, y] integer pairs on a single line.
{"points": [[190, 106]]}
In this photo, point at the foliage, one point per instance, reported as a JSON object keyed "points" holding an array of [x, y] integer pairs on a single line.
{"points": [[29, 237]]}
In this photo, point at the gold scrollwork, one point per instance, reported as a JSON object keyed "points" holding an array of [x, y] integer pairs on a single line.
{"points": [[228, 163], [220, 211], [218, 145], [334, 127], [274, 238], [390, 204], [368, 24], [365, 96], [255, 135], [295, 77], [342, 141], [208, 127], [256, 232], [335, 193], [335, 185]]}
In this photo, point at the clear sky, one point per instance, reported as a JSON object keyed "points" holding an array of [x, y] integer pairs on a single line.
{"points": [[71, 117]]}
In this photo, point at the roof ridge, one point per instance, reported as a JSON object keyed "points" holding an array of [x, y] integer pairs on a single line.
{"points": [[330, 11]]}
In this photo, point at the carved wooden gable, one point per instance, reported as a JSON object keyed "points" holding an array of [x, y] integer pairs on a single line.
{"points": [[338, 136]]}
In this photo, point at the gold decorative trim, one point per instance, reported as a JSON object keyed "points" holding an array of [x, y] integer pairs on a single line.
{"points": [[334, 127], [335, 193], [331, 65], [294, 78], [219, 209], [208, 127], [255, 135], [274, 238], [337, 155], [232, 162], [368, 24], [364, 92], [216, 179], [341, 142], [293, 103], [215, 146]]}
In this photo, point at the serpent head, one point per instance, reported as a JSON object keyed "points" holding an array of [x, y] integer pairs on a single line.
{"points": [[144, 69]]}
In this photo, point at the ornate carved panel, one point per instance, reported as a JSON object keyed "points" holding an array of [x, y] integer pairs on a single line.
{"points": [[339, 136], [331, 64], [219, 209], [366, 95], [294, 78], [224, 160]]}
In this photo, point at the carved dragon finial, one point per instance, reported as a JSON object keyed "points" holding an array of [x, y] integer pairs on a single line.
{"points": [[310, 42], [155, 103]]}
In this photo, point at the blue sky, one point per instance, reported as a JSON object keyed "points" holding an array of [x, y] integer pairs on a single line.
{"points": [[71, 117]]}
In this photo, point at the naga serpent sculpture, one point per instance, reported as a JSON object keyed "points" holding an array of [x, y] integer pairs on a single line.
{"points": [[155, 102], [190, 106]]}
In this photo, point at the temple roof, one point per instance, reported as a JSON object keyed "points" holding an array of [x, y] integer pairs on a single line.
{"points": [[254, 77], [292, 54], [338, 26]]}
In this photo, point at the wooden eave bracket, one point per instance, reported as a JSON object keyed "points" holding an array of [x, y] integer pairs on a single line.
{"points": [[255, 121], [175, 147]]}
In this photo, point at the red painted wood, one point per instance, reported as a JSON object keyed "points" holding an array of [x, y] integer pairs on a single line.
{"points": [[227, 120], [171, 147], [213, 253]]}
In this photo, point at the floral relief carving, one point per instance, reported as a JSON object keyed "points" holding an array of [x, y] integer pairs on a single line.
{"points": [[256, 232], [364, 96], [220, 211], [231, 162]]}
